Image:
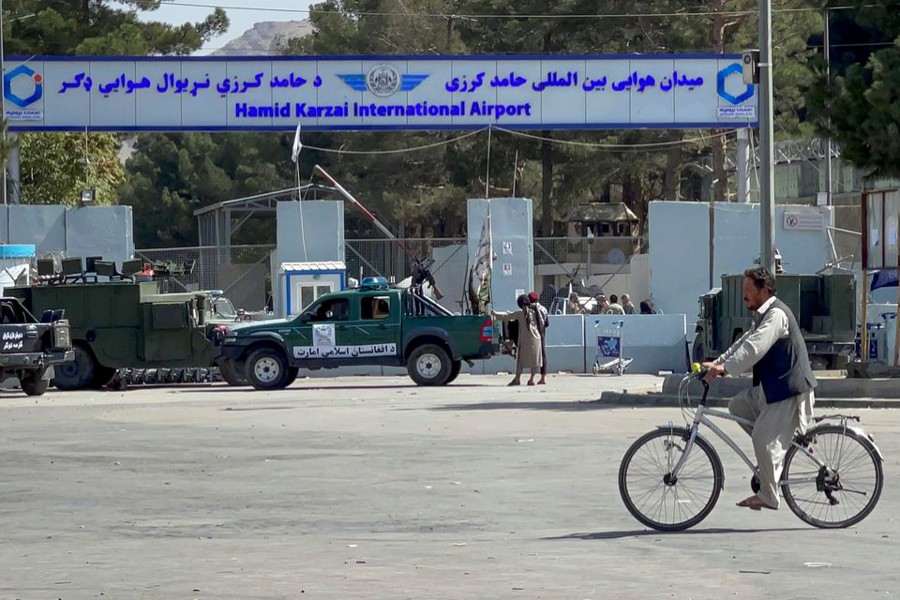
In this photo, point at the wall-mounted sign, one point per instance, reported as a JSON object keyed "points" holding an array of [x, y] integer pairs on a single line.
{"points": [[376, 92]]}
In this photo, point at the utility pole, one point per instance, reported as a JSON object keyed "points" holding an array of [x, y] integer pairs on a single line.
{"points": [[3, 105], [766, 135], [829, 174]]}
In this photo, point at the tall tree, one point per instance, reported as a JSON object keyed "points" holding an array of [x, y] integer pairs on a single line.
{"points": [[88, 27], [171, 175], [858, 106]]}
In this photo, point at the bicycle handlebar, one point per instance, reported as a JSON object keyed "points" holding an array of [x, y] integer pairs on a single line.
{"points": [[698, 371]]}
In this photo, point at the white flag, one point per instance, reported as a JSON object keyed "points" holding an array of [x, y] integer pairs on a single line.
{"points": [[484, 257], [298, 145]]}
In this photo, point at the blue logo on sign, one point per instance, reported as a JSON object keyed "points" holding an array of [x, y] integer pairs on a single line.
{"points": [[724, 74], [383, 81], [34, 87]]}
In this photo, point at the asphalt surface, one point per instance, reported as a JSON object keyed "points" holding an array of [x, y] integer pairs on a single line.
{"points": [[375, 488]]}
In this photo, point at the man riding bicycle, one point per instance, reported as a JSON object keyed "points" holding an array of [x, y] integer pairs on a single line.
{"points": [[781, 398]]}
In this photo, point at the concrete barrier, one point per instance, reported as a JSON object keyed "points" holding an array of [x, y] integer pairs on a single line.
{"points": [[655, 342], [828, 387]]}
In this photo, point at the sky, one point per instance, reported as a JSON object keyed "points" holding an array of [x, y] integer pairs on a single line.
{"points": [[241, 13]]}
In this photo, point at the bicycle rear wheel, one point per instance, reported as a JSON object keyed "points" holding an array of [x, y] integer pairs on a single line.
{"points": [[653, 496], [845, 491]]}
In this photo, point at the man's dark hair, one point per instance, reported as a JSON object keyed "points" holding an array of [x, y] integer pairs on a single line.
{"points": [[614, 299], [762, 278]]}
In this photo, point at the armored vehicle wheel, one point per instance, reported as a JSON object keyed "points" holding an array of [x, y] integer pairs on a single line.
{"points": [[34, 384], [697, 353], [429, 364], [819, 363], [267, 369], [231, 374], [77, 374]]}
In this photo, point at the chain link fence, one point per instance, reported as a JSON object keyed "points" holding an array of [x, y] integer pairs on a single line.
{"points": [[243, 272]]}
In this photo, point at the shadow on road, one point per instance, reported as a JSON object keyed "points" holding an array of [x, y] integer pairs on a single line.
{"points": [[525, 405], [616, 535], [310, 388]]}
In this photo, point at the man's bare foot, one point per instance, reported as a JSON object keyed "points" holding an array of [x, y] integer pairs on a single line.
{"points": [[754, 503]]}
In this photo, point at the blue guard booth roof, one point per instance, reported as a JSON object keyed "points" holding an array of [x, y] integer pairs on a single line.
{"points": [[17, 251]]}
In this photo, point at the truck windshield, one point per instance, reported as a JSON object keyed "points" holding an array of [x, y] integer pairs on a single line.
{"points": [[223, 307]]}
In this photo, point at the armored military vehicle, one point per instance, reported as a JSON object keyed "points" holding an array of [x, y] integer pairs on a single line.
{"points": [[824, 305], [126, 325]]}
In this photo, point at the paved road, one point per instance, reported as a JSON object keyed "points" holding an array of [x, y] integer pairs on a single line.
{"points": [[372, 488]]}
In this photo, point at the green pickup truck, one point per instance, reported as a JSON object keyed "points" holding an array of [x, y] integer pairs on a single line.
{"points": [[370, 325]]}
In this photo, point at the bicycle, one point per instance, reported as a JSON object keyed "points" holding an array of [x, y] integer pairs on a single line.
{"points": [[832, 475]]}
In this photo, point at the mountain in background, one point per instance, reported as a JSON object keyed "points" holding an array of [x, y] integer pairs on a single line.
{"points": [[264, 38]]}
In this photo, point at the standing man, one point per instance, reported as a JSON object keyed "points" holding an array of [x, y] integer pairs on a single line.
{"points": [[781, 399], [543, 323], [528, 348], [614, 308], [628, 305]]}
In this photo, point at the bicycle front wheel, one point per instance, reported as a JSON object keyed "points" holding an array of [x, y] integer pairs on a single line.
{"points": [[843, 492], [656, 498]]}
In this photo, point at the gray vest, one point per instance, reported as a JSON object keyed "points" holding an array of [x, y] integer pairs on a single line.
{"points": [[784, 370]]}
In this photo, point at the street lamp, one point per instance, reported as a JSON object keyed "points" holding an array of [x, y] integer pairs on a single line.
{"points": [[590, 239], [766, 142]]}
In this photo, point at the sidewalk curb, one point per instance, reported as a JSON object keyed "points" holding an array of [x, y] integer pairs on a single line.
{"points": [[669, 400]]}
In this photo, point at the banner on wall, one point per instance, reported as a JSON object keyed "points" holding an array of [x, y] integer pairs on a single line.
{"points": [[377, 93]]}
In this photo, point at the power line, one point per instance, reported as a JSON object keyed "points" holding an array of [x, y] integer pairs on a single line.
{"points": [[398, 150], [619, 147], [522, 134], [475, 16]]}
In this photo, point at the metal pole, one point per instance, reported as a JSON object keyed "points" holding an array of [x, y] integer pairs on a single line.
{"points": [[3, 101], [589, 266], [829, 174], [743, 165], [14, 168], [766, 138]]}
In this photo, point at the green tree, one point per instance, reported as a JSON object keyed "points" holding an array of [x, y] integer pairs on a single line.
{"points": [[57, 166], [172, 175], [858, 107]]}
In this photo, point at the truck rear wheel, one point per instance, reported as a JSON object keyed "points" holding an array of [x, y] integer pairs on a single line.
{"points": [[293, 373], [429, 364], [454, 371], [34, 384], [267, 369], [77, 374]]}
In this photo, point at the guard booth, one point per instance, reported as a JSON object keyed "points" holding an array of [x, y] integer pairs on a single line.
{"points": [[299, 283], [611, 230]]}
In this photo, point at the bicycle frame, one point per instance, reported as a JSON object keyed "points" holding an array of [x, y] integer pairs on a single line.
{"points": [[701, 418]]}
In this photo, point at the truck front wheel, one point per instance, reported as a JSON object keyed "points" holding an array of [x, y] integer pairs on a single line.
{"points": [[34, 384], [231, 373], [267, 369], [429, 364]]}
